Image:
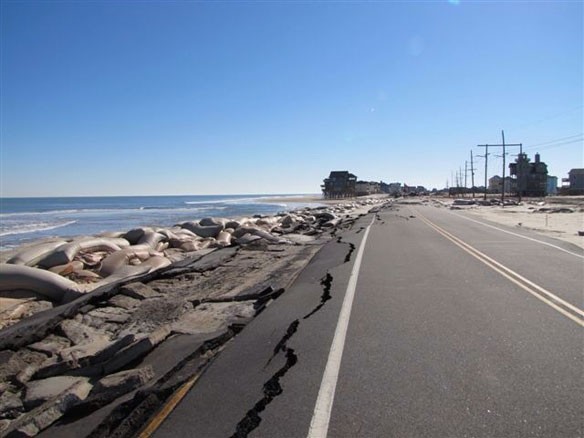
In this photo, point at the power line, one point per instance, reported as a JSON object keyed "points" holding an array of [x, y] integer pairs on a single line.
{"points": [[561, 144], [555, 141], [545, 119]]}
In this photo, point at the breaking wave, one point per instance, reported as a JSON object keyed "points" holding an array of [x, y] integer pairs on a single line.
{"points": [[34, 227]]}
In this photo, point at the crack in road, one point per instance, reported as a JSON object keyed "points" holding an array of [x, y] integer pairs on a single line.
{"points": [[281, 346], [326, 283], [272, 388], [351, 249]]}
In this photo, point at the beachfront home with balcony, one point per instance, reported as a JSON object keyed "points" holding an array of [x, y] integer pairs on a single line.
{"points": [[339, 184]]}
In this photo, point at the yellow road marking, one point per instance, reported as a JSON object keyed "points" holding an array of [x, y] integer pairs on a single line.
{"points": [[525, 280], [513, 276], [168, 407]]}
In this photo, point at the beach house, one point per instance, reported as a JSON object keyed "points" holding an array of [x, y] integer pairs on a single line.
{"points": [[530, 178], [339, 184]]}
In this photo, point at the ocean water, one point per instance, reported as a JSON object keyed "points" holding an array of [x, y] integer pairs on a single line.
{"points": [[24, 220]]}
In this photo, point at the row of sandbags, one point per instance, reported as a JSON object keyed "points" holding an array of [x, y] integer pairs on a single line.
{"points": [[61, 269]]}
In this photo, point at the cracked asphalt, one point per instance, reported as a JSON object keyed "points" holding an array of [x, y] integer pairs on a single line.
{"points": [[439, 344]]}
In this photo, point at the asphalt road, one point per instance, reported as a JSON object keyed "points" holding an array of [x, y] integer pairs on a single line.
{"points": [[457, 329]]}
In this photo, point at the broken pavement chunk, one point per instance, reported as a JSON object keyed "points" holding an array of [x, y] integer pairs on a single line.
{"points": [[51, 345], [10, 405], [110, 314], [136, 350], [41, 391], [46, 414], [214, 317], [79, 333], [124, 302], [139, 291], [118, 384]]}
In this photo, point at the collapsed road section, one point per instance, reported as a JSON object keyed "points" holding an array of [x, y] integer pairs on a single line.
{"points": [[253, 379], [95, 360]]}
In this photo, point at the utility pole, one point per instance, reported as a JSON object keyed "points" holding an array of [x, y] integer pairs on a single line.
{"points": [[503, 146], [472, 169], [519, 172], [503, 188], [486, 157], [459, 179], [465, 176]]}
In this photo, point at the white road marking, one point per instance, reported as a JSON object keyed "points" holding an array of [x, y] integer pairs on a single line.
{"points": [[537, 291], [518, 235], [324, 402]]}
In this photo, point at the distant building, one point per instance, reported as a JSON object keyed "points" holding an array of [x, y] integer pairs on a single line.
{"points": [[574, 184], [496, 181], [576, 179], [552, 185], [383, 187], [364, 188], [339, 184], [414, 190], [395, 188], [530, 178]]}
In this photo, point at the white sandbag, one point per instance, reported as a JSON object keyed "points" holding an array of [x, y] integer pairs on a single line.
{"points": [[115, 261], [151, 238], [203, 230], [65, 253], [46, 283], [32, 255]]}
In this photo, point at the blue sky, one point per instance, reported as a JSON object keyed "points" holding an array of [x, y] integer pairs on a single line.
{"points": [[146, 98]]}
